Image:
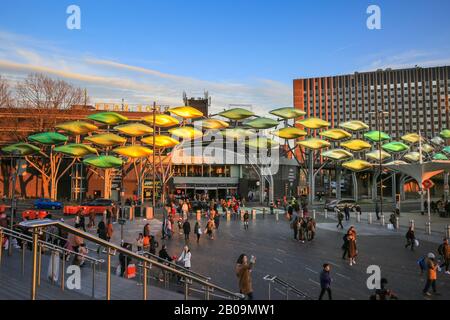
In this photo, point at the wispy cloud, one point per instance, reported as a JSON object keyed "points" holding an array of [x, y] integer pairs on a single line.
{"points": [[108, 80], [407, 59]]}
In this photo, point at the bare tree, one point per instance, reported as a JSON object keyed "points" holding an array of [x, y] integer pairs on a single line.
{"points": [[5, 93], [42, 92]]}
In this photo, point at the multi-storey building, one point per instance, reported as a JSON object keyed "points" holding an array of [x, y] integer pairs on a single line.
{"points": [[415, 99]]}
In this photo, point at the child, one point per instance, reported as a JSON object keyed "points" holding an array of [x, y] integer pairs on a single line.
{"points": [[140, 242]]}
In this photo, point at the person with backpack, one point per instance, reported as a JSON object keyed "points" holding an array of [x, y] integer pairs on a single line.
{"points": [[325, 282], [410, 238], [444, 252], [246, 218], [340, 217], [432, 269]]}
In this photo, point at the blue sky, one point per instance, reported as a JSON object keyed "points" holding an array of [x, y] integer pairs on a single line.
{"points": [[242, 51]]}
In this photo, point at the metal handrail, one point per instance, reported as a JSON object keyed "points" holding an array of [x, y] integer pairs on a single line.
{"points": [[146, 261], [62, 238], [286, 285], [170, 263], [45, 244]]}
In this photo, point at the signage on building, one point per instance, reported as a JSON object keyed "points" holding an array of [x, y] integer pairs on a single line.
{"points": [[149, 183], [427, 184], [104, 106]]}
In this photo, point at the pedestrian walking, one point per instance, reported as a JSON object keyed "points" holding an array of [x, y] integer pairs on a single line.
{"points": [[92, 216], [340, 217], [197, 231], [185, 257], [352, 250], [217, 220], [295, 226], [243, 270], [325, 281], [377, 210], [246, 218], [410, 238], [432, 268], [109, 230], [311, 227], [186, 229], [210, 229], [444, 251], [347, 212]]}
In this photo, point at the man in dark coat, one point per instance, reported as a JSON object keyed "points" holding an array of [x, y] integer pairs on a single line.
{"points": [[186, 229], [325, 281]]}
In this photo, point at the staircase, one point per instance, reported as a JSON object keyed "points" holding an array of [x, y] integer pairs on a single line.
{"points": [[16, 275]]}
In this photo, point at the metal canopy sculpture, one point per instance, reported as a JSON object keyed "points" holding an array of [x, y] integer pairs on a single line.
{"points": [[337, 154], [109, 118], [77, 127], [236, 114], [288, 113]]}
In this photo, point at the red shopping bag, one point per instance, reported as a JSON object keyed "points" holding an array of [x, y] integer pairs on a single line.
{"points": [[131, 271]]}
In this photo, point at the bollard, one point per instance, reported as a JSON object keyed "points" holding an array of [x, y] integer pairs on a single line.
{"points": [[276, 216], [369, 217], [264, 213], [253, 214], [382, 220], [358, 217], [411, 224], [314, 214], [397, 223], [448, 231], [326, 214], [228, 215], [199, 215], [428, 227]]}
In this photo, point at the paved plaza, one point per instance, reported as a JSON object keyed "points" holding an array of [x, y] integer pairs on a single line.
{"points": [[277, 253]]}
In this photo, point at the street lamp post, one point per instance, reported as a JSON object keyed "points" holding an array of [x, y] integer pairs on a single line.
{"points": [[378, 113], [153, 157], [13, 193]]}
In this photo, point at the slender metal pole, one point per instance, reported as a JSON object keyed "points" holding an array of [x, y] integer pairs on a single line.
{"points": [[34, 265], [186, 289], [144, 282], [1, 245], [153, 158], [108, 275], [13, 202], [23, 257], [39, 264], [52, 261], [63, 271], [380, 161], [93, 279]]}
